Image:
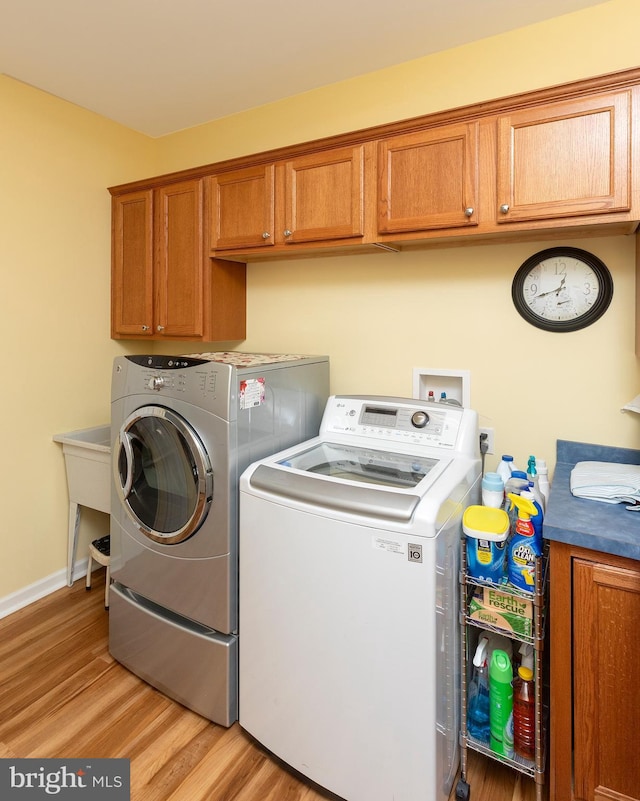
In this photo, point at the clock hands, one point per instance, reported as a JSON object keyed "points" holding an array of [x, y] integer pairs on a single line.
{"points": [[551, 291]]}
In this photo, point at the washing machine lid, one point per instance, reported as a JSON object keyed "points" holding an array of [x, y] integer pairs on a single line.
{"points": [[364, 465], [348, 478]]}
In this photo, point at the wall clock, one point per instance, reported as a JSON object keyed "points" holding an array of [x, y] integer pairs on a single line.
{"points": [[562, 289]]}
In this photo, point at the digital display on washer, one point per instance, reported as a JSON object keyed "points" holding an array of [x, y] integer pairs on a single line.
{"points": [[379, 416]]}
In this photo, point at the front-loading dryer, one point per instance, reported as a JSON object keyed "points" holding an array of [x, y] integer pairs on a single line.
{"points": [[183, 428]]}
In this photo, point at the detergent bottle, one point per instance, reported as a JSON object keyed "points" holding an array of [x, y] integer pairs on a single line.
{"points": [[524, 716], [524, 546], [543, 481], [478, 705], [505, 467]]}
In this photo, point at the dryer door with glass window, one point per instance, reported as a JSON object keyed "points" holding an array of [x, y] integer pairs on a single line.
{"points": [[163, 474]]}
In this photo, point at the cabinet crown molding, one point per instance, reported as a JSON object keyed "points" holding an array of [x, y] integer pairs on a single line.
{"points": [[580, 88]]}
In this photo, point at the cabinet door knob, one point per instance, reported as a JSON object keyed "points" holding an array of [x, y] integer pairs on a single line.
{"points": [[145, 327], [160, 328], [468, 211], [287, 232], [504, 208], [266, 235]]}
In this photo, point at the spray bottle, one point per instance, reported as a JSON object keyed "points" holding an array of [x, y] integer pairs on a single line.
{"points": [[526, 656], [516, 484], [524, 547], [478, 706], [537, 518], [533, 477]]}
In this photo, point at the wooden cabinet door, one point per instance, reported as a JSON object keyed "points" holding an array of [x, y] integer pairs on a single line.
{"points": [[324, 195], [242, 207], [606, 655], [179, 260], [428, 179], [565, 159], [132, 265]]}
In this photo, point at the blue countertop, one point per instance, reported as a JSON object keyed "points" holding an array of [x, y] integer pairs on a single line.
{"points": [[606, 527]]}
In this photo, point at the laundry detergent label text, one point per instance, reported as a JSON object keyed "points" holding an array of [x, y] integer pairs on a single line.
{"points": [[65, 779]]}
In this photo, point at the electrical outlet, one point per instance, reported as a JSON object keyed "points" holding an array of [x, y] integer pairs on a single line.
{"points": [[490, 434]]}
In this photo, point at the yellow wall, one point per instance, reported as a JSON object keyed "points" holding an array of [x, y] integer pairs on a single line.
{"points": [[56, 161], [591, 42], [378, 316]]}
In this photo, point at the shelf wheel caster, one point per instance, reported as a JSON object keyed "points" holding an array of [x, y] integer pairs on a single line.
{"points": [[463, 791]]}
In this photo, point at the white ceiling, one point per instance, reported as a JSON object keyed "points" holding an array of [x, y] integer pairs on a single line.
{"points": [[159, 66]]}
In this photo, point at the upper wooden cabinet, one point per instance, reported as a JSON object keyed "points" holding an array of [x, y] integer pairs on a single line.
{"points": [[562, 159], [162, 286], [132, 264], [565, 159], [324, 196], [317, 198], [243, 208], [428, 180]]}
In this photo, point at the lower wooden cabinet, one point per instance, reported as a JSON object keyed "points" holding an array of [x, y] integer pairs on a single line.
{"points": [[163, 286], [595, 690]]}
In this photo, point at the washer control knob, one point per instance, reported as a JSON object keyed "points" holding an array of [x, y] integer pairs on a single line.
{"points": [[157, 382], [419, 419]]}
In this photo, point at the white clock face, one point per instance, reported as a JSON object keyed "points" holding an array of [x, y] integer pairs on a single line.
{"points": [[561, 288]]}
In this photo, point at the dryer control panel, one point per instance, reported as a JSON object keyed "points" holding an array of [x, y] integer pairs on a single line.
{"points": [[402, 420]]}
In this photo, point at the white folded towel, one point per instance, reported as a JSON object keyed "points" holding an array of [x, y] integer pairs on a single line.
{"points": [[606, 481]]}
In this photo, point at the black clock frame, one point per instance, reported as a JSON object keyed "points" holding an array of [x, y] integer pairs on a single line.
{"points": [[594, 313]]}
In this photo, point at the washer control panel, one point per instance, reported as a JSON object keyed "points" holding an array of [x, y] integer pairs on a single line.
{"points": [[397, 420]]}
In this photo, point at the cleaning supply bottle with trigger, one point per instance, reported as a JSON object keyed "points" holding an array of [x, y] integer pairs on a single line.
{"points": [[478, 704], [524, 547], [538, 517], [527, 657], [534, 487], [516, 484]]}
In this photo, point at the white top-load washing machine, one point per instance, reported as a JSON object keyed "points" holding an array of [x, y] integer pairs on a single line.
{"points": [[349, 553]]}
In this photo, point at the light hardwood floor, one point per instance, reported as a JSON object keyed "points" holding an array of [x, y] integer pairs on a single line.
{"points": [[62, 695]]}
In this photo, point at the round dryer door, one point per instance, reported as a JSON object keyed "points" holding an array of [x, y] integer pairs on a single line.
{"points": [[163, 474]]}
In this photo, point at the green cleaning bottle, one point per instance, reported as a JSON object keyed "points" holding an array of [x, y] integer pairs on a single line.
{"points": [[501, 704]]}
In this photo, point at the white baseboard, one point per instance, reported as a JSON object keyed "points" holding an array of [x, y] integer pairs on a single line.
{"points": [[27, 595]]}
